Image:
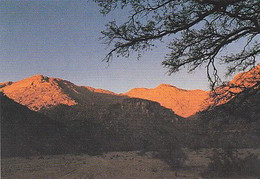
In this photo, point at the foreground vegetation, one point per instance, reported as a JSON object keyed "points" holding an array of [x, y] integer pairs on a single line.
{"points": [[113, 165]]}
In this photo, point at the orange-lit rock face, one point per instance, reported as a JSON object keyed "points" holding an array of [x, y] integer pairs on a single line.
{"points": [[240, 82], [247, 79], [37, 92], [40, 91], [5, 84], [183, 102]]}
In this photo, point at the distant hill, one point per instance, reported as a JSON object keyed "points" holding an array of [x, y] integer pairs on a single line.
{"points": [[40, 91], [183, 102], [25, 132]]}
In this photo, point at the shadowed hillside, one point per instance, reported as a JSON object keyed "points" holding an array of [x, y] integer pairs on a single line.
{"points": [[25, 132], [234, 124], [133, 124]]}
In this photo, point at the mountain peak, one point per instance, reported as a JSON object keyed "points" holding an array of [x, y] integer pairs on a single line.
{"points": [[39, 77], [165, 86], [37, 92], [168, 87]]}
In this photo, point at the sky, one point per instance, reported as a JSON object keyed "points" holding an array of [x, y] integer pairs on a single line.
{"points": [[61, 39]]}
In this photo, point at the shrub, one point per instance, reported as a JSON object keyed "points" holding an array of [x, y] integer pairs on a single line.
{"points": [[174, 157], [227, 163]]}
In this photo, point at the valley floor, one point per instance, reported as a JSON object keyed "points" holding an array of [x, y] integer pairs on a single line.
{"points": [[126, 165]]}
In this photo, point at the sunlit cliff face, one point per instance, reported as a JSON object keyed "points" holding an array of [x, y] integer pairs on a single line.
{"points": [[37, 92], [183, 102]]}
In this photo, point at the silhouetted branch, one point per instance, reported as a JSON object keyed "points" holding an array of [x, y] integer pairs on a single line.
{"points": [[204, 28]]}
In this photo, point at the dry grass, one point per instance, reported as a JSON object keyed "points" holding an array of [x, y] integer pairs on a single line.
{"points": [[111, 165]]}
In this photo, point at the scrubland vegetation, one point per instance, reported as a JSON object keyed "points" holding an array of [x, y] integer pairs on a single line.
{"points": [[198, 164]]}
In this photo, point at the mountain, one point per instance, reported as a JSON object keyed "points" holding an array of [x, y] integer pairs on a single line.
{"points": [[234, 121], [241, 82], [38, 92], [25, 132], [183, 102], [233, 124], [247, 79], [133, 124], [80, 119], [94, 119]]}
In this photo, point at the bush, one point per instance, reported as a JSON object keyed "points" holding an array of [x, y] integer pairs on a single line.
{"points": [[227, 163], [174, 157]]}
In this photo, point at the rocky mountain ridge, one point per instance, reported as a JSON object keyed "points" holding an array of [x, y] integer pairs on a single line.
{"points": [[85, 119], [39, 92]]}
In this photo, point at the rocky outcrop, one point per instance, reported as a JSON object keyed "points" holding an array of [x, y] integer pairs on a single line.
{"points": [[146, 108]]}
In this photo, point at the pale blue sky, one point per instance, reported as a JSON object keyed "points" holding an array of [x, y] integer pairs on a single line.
{"points": [[61, 39]]}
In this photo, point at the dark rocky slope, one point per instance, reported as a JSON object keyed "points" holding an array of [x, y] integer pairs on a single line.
{"points": [[235, 124], [25, 132], [134, 124]]}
